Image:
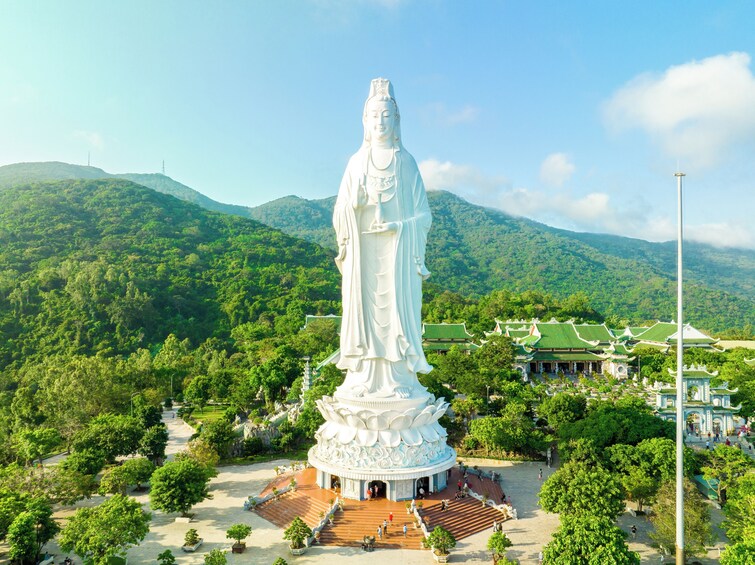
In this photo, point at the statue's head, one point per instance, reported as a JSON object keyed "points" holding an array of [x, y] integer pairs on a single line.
{"points": [[381, 118]]}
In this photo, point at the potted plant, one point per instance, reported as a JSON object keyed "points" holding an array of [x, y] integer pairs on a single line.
{"points": [[192, 541], [420, 504], [166, 558], [498, 543], [408, 508], [484, 500], [292, 484], [280, 561], [276, 493], [297, 533], [441, 541], [238, 532], [215, 557]]}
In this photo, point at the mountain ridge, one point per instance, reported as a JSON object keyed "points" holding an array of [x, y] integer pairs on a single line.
{"points": [[474, 250]]}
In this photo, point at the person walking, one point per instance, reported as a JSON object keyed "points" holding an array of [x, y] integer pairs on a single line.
{"points": [[380, 532], [385, 527], [540, 475], [390, 517], [404, 530], [634, 531]]}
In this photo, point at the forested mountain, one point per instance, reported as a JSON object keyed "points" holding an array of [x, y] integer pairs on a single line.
{"points": [[23, 173], [474, 250], [108, 266]]}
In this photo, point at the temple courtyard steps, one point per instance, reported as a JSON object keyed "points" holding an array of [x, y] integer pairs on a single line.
{"points": [[463, 517]]}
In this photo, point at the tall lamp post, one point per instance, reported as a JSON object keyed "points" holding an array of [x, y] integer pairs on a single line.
{"points": [[679, 384]]}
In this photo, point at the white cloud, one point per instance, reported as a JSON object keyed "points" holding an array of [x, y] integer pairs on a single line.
{"points": [[722, 235], [695, 111], [463, 180], [556, 169], [91, 138], [595, 212]]}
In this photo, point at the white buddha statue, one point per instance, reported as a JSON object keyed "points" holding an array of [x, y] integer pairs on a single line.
{"points": [[381, 220]]}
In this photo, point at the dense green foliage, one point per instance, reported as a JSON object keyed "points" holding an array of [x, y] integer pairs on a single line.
{"points": [[698, 532], [628, 279], [579, 488], [106, 530], [589, 540], [179, 485]]}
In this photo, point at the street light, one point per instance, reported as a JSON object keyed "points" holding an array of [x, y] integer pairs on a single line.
{"points": [[679, 384]]}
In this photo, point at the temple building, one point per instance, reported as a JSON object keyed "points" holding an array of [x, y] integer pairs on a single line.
{"points": [[707, 409], [440, 338], [663, 336], [553, 347]]}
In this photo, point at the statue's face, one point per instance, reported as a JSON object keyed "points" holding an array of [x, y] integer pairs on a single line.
{"points": [[381, 120]]}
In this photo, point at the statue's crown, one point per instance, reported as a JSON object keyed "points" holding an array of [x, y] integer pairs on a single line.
{"points": [[381, 87]]}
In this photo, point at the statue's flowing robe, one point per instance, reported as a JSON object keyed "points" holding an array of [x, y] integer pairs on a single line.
{"points": [[408, 249]]}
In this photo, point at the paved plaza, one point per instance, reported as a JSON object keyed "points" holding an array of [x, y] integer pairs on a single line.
{"points": [[234, 483]]}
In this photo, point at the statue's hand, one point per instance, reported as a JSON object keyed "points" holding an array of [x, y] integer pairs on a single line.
{"points": [[386, 227]]}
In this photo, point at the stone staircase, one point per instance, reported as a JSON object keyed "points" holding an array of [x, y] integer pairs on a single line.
{"points": [[463, 517], [359, 519], [281, 512]]}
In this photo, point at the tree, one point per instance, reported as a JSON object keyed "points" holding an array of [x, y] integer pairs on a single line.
{"points": [[697, 527], [726, 464], [197, 391], [203, 453], [588, 540], [30, 531], [440, 540], [138, 470], [215, 557], [12, 503], [179, 485], [153, 443], [740, 508], [35, 444], [106, 530], [238, 532], [498, 543], [495, 361], [86, 462], [579, 488], [115, 480], [562, 408], [609, 423], [148, 415], [112, 435], [220, 435], [297, 532], [741, 553], [166, 558]]}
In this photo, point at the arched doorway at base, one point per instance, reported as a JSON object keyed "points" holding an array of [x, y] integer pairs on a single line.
{"points": [[377, 489]]}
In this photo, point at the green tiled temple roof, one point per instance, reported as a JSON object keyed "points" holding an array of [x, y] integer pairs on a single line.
{"points": [[445, 331], [594, 332], [518, 334], [659, 332], [560, 335]]}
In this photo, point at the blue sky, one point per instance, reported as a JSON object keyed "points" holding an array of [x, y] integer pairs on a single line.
{"points": [[576, 114]]}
